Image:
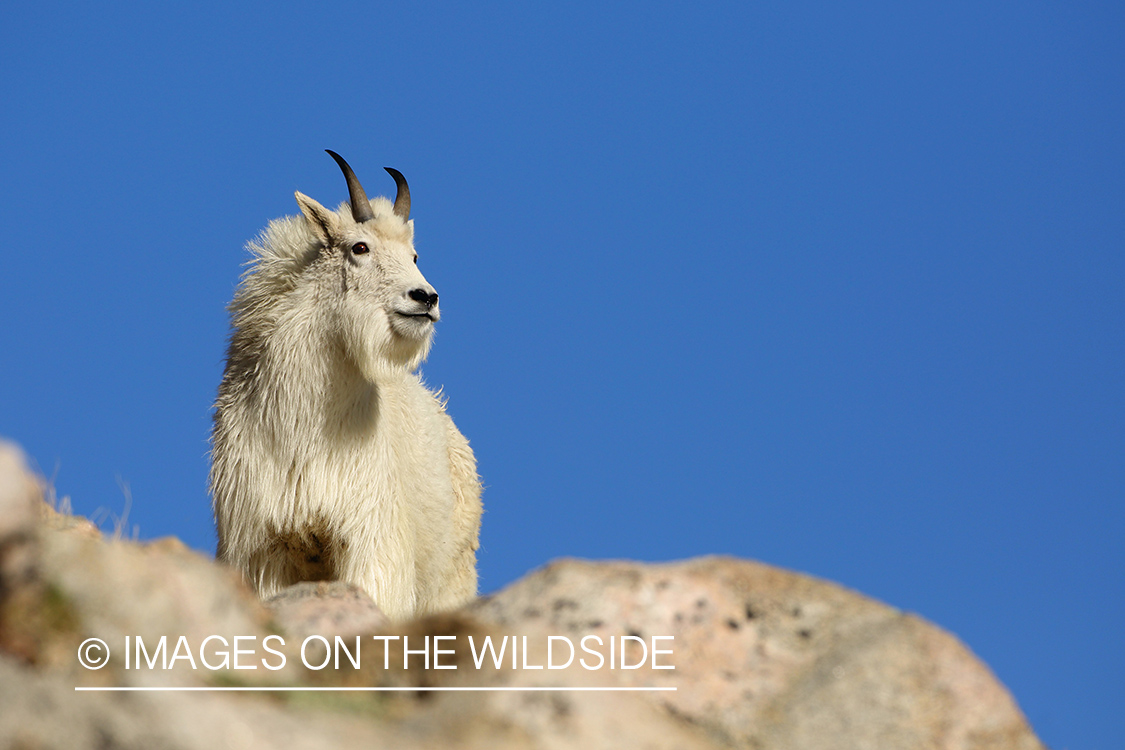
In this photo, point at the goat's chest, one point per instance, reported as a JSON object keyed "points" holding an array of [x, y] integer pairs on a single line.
{"points": [[395, 470]]}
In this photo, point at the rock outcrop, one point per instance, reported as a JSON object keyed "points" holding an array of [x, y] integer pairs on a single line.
{"points": [[763, 658]]}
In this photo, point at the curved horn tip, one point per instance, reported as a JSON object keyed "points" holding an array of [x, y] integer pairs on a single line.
{"points": [[402, 195], [361, 207], [343, 164]]}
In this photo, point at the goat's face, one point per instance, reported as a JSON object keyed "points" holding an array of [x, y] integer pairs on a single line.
{"points": [[367, 275]]}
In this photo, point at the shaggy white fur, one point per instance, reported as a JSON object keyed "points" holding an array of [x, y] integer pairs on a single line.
{"points": [[330, 458]]}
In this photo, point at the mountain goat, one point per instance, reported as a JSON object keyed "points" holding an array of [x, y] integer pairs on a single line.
{"points": [[330, 458]]}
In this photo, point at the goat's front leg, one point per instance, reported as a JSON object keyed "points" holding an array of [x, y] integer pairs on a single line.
{"points": [[383, 566]]}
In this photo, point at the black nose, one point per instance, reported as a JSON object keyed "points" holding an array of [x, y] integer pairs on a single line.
{"points": [[421, 295]]}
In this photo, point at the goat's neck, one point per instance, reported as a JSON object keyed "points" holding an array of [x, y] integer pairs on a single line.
{"points": [[329, 396]]}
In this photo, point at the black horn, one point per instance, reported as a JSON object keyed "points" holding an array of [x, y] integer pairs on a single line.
{"points": [[402, 197], [361, 207]]}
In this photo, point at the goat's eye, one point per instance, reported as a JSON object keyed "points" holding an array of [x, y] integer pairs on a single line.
{"points": [[359, 248], [415, 260]]}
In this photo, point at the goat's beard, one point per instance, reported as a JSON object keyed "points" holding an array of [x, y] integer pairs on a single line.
{"points": [[377, 345], [410, 351]]}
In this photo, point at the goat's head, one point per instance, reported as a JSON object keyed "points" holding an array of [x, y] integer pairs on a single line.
{"points": [[384, 308]]}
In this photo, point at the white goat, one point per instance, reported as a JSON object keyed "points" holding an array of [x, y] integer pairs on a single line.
{"points": [[330, 458]]}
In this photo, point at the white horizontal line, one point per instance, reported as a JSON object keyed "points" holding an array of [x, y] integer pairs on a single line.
{"points": [[364, 689]]}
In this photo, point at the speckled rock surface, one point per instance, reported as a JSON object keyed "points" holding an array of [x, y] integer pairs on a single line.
{"points": [[767, 658], [763, 658], [327, 608]]}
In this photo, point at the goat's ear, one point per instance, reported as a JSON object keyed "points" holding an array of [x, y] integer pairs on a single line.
{"points": [[324, 223]]}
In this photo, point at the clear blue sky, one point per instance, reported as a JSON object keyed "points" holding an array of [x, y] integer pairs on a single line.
{"points": [[836, 287]]}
